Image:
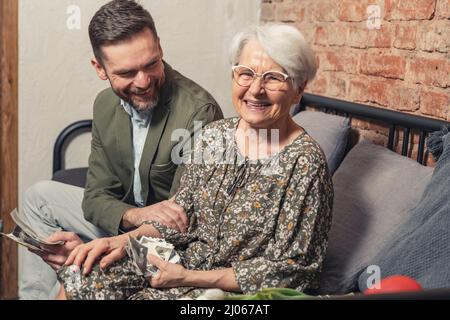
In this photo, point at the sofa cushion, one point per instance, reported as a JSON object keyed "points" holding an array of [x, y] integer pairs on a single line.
{"points": [[420, 247], [330, 132], [375, 190]]}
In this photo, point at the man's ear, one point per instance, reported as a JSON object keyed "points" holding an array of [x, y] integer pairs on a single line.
{"points": [[161, 52], [101, 72]]}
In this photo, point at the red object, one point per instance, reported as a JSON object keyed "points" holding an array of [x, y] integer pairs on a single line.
{"points": [[396, 283]]}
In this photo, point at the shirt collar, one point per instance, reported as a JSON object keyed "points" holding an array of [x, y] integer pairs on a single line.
{"points": [[139, 116]]}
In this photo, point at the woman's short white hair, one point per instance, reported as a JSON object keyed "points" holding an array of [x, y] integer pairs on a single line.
{"points": [[284, 44]]}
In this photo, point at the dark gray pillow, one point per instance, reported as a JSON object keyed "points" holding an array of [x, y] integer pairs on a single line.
{"points": [[420, 247], [330, 132], [374, 191]]}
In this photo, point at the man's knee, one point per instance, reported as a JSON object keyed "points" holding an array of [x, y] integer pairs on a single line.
{"points": [[38, 193]]}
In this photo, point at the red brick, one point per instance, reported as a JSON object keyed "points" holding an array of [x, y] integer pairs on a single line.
{"points": [[380, 38], [369, 90], [403, 98], [443, 9], [336, 87], [318, 85], [358, 37], [358, 90], [405, 37], [409, 9], [332, 34], [378, 64], [351, 10], [434, 36], [337, 34], [433, 72], [436, 104], [361, 37], [321, 36], [301, 15], [387, 93], [288, 11], [324, 11], [376, 138], [378, 127], [308, 32], [338, 60], [267, 12]]}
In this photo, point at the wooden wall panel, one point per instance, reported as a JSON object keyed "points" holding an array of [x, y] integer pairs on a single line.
{"points": [[8, 142]]}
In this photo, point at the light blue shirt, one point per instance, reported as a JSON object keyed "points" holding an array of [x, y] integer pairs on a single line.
{"points": [[140, 122]]}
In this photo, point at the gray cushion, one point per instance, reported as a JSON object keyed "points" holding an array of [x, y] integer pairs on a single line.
{"points": [[330, 132], [75, 177], [420, 247], [375, 189]]}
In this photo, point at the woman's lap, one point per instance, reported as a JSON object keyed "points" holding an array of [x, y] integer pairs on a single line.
{"points": [[117, 282]]}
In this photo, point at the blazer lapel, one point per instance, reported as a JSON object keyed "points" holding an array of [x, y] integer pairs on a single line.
{"points": [[155, 131], [157, 125]]}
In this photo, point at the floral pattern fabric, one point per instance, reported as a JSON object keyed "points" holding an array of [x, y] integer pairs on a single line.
{"points": [[267, 219]]}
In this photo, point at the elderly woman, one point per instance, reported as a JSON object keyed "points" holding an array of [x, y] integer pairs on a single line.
{"points": [[258, 202]]}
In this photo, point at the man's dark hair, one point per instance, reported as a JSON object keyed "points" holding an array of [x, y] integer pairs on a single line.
{"points": [[117, 21]]}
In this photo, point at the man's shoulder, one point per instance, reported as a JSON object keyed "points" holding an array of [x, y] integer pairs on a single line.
{"points": [[189, 95], [106, 97], [105, 102]]}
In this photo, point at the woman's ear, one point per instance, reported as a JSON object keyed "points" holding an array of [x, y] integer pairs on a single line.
{"points": [[299, 93], [301, 87]]}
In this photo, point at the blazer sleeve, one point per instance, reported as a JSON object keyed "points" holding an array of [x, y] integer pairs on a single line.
{"points": [[102, 203]]}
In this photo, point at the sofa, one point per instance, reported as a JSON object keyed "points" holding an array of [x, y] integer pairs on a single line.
{"points": [[390, 212], [378, 192]]}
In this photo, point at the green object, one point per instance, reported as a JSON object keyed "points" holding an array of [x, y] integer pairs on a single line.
{"points": [[272, 294], [109, 189]]}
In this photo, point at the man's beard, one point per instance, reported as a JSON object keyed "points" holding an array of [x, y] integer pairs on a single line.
{"points": [[139, 105]]}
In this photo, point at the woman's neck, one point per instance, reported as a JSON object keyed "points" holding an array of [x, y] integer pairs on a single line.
{"points": [[259, 143]]}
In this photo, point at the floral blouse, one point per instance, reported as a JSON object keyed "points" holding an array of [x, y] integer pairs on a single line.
{"points": [[267, 219]]}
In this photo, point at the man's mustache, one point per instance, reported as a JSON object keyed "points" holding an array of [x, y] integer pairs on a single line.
{"points": [[140, 91]]}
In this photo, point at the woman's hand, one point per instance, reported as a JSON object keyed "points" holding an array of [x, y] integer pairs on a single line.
{"points": [[113, 249], [55, 256], [170, 274]]}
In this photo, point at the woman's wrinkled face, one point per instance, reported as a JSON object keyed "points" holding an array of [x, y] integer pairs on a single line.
{"points": [[257, 106]]}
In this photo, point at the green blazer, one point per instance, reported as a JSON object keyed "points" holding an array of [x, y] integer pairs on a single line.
{"points": [[109, 188]]}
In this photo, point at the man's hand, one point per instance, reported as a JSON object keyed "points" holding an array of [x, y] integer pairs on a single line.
{"points": [[59, 254], [170, 275], [87, 254], [166, 212]]}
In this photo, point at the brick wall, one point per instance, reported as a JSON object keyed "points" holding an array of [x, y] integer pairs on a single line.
{"points": [[400, 61]]}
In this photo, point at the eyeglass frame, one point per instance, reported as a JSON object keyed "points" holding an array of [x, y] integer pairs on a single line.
{"points": [[261, 75]]}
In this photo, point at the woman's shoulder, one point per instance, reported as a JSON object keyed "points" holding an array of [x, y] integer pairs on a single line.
{"points": [[306, 149]]}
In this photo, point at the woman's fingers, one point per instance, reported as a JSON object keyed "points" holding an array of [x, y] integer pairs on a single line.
{"points": [[82, 254], [164, 218], [72, 256], [175, 221], [115, 255], [156, 261], [93, 255], [178, 213]]}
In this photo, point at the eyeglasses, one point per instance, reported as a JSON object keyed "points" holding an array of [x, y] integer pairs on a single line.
{"points": [[272, 80]]}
